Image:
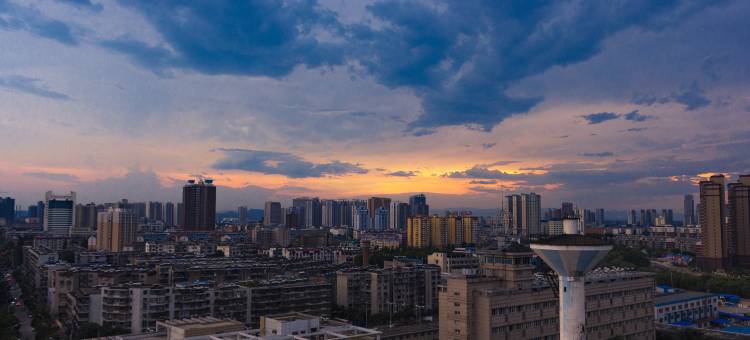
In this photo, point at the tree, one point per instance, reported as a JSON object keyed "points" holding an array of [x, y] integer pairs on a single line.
{"points": [[91, 330]]}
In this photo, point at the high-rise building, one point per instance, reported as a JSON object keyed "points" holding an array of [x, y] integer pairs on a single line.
{"points": [[567, 210], [180, 214], [7, 210], [272, 213], [470, 228], [688, 211], [668, 216], [292, 217], [715, 251], [399, 212], [116, 230], [199, 201], [632, 218], [523, 214], [531, 214], [242, 215], [455, 229], [600, 217], [40, 210], [738, 211], [330, 213], [169, 214], [380, 221], [418, 231], [32, 211], [373, 203], [361, 217], [512, 214], [155, 211], [140, 209], [85, 219], [439, 231], [59, 213], [309, 209], [418, 205], [345, 213]]}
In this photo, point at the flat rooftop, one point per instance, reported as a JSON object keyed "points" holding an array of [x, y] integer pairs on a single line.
{"points": [[668, 299], [572, 240]]}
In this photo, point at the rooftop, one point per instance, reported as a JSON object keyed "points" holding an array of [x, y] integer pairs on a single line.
{"points": [[572, 240], [682, 296]]}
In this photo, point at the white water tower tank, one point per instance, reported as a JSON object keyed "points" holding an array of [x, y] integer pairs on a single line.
{"points": [[572, 227]]}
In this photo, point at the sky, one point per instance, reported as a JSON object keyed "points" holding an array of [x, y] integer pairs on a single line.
{"points": [[611, 104]]}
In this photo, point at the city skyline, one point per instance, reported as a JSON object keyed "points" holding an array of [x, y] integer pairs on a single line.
{"points": [[114, 99]]}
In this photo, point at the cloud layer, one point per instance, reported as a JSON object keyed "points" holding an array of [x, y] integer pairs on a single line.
{"points": [[281, 163]]}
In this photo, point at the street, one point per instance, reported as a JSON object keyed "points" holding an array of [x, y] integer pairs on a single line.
{"points": [[22, 314]]}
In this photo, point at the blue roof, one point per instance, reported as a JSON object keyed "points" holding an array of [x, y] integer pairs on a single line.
{"points": [[737, 329], [730, 297], [734, 316], [664, 286], [682, 323], [155, 237], [721, 322]]}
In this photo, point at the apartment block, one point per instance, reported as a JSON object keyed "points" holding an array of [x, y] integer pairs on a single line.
{"points": [[507, 301], [380, 289]]}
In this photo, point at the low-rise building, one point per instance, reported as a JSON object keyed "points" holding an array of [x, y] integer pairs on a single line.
{"points": [[291, 326], [686, 307]]}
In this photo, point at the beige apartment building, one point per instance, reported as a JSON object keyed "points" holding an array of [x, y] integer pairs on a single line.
{"points": [[116, 229], [507, 301], [715, 238]]}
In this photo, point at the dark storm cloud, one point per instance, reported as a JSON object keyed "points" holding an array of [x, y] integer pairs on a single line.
{"points": [[488, 145], [600, 117], [459, 58], [282, 163], [15, 17], [31, 86], [257, 38], [494, 43], [402, 173]]}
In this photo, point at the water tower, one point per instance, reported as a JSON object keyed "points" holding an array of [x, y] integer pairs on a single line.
{"points": [[571, 255]]}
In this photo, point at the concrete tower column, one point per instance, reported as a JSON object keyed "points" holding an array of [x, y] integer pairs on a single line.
{"points": [[572, 308]]}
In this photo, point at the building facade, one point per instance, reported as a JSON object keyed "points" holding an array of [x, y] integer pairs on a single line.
{"points": [[59, 213], [116, 230], [507, 302], [199, 205]]}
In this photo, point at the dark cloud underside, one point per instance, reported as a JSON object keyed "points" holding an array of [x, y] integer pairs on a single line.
{"points": [[282, 163]]}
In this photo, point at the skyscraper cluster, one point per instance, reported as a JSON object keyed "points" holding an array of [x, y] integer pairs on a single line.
{"points": [[725, 222], [375, 213], [650, 217]]}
